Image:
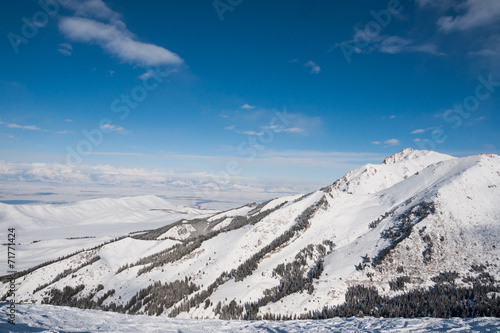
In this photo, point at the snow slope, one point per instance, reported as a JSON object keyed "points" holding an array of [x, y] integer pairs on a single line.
{"points": [[45, 231], [417, 215], [46, 318], [373, 178]]}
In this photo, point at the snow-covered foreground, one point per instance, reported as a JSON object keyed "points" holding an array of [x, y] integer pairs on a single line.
{"points": [[47, 318]]}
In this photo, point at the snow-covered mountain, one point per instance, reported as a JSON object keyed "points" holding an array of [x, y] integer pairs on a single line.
{"points": [[373, 241]]}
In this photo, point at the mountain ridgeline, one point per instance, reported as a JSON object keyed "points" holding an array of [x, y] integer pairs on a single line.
{"points": [[415, 236]]}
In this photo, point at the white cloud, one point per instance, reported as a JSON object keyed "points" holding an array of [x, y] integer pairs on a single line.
{"points": [[247, 106], [115, 154], [475, 13], [285, 167], [249, 132], [391, 44], [290, 130], [146, 75], [274, 128], [486, 52], [269, 127], [392, 117], [68, 120], [395, 44], [277, 129], [422, 130], [112, 36], [434, 3], [392, 142], [113, 128], [32, 128], [28, 127], [315, 69], [376, 142], [65, 49], [91, 8], [189, 188]]}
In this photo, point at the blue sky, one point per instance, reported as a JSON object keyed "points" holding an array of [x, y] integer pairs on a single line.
{"points": [[287, 90]]}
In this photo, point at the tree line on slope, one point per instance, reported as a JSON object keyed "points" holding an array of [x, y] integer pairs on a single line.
{"points": [[67, 272], [439, 301], [402, 229], [151, 300], [247, 267], [295, 277], [160, 296], [187, 246], [6, 278]]}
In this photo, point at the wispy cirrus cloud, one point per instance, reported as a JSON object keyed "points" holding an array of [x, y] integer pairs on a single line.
{"points": [[388, 143], [260, 121], [111, 35], [247, 107], [290, 130], [315, 69], [146, 75], [392, 142], [25, 127], [32, 128], [279, 129], [275, 128], [418, 131], [65, 49], [393, 44], [249, 132], [113, 128], [92, 8], [113, 153], [474, 23], [423, 130], [471, 14]]}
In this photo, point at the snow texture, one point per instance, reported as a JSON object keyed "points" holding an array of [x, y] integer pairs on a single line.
{"points": [[46, 318]]}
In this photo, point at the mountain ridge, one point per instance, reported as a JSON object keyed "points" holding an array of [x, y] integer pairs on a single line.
{"points": [[390, 229]]}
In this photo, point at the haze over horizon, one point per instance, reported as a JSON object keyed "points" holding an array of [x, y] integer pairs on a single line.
{"points": [[257, 97]]}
